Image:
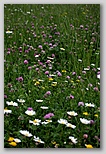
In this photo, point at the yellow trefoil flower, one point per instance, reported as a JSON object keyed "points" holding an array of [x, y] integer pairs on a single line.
{"points": [[85, 113], [96, 115], [77, 80], [54, 84], [63, 71], [53, 142], [10, 139], [88, 146], [37, 83], [50, 79], [13, 143]]}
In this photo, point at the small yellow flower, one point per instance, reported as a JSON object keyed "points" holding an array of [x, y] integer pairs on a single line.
{"points": [[13, 143], [53, 142], [62, 49], [54, 84], [35, 121], [96, 115], [88, 146], [56, 145], [77, 80], [85, 113], [48, 120], [50, 79], [71, 81], [37, 83], [43, 87], [10, 139], [6, 108], [63, 71]]}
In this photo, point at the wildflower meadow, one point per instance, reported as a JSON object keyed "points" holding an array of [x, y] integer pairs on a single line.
{"points": [[51, 76]]}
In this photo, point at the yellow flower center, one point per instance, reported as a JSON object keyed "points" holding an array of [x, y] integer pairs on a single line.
{"points": [[63, 71], [96, 115], [50, 79], [85, 113], [35, 121]]}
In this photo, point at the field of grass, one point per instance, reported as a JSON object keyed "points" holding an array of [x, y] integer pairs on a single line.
{"points": [[51, 76]]}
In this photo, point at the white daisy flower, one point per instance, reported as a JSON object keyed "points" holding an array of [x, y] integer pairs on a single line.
{"points": [[12, 103], [17, 140], [7, 111], [63, 121], [70, 125], [9, 32], [74, 140], [37, 56], [21, 100], [30, 113], [72, 113], [26, 133], [80, 60], [46, 122], [52, 75], [44, 107], [50, 58], [86, 69], [89, 105], [62, 49], [39, 100], [40, 80], [84, 121], [66, 81], [98, 76], [92, 64], [37, 139], [98, 68], [28, 12], [35, 122]]}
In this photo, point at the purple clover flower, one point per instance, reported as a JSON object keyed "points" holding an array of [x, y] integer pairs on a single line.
{"points": [[71, 96], [53, 55], [49, 115], [48, 61], [90, 85], [25, 61], [20, 79], [30, 67], [26, 51], [47, 72], [30, 108], [81, 26], [73, 73], [80, 104], [5, 96], [68, 77], [85, 136], [59, 74], [37, 69], [48, 93], [40, 46], [95, 88], [8, 52], [92, 122], [84, 72]]}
